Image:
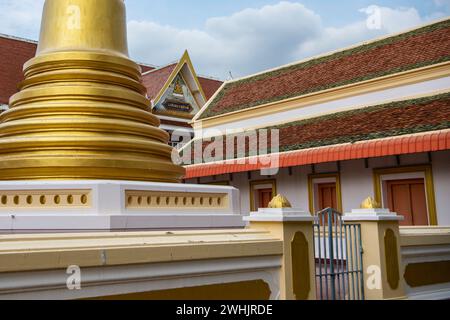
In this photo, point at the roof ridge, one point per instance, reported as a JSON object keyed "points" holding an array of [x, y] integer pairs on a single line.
{"points": [[161, 67], [340, 50], [7, 36], [146, 64], [209, 77]]}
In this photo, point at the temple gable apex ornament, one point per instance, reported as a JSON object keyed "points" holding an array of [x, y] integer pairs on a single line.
{"points": [[178, 88], [279, 202]]}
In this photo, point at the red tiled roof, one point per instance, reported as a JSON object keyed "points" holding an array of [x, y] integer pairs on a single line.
{"points": [[417, 143], [146, 68], [154, 81], [393, 119], [209, 86], [13, 54], [424, 46]]}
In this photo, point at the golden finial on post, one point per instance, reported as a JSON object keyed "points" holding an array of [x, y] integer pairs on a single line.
{"points": [[370, 203], [279, 202]]}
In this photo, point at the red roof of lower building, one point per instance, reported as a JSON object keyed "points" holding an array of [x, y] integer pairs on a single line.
{"points": [[391, 119], [407, 144]]}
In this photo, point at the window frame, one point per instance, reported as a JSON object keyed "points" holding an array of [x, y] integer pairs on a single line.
{"points": [[429, 186], [252, 189], [311, 194]]}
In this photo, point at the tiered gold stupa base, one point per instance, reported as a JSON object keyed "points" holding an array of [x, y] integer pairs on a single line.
{"points": [[82, 111]]}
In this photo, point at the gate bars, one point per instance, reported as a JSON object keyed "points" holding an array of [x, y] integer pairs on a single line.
{"points": [[338, 254]]}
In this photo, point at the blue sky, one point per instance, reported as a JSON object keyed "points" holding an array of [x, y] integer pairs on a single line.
{"points": [[244, 36], [194, 13]]}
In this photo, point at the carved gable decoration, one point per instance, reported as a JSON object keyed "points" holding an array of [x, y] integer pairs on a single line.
{"points": [[177, 100]]}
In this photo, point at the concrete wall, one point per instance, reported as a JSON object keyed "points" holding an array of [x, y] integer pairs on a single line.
{"points": [[200, 262], [425, 254], [441, 176]]}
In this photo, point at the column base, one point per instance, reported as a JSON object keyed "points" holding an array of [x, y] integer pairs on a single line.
{"points": [[115, 205]]}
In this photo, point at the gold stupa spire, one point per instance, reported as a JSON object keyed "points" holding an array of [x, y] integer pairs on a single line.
{"points": [[81, 112]]}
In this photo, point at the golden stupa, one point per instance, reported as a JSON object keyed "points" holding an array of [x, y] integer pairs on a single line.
{"points": [[81, 112]]}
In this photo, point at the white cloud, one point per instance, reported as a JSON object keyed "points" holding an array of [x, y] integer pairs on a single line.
{"points": [[21, 17], [393, 20], [257, 39], [245, 42], [250, 40], [390, 21], [442, 3]]}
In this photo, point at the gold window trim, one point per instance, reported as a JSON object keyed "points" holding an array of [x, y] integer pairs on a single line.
{"points": [[429, 186], [311, 179], [252, 189]]}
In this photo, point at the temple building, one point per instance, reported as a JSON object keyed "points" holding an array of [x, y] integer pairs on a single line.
{"points": [[92, 204], [177, 93], [370, 120]]}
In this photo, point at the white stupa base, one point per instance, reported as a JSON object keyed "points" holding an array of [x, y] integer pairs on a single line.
{"points": [[115, 205], [279, 215], [372, 215], [44, 223]]}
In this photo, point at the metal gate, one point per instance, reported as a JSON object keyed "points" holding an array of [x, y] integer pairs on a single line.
{"points": [[338, 254]]}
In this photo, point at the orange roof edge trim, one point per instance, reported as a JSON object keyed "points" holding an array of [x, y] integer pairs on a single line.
{"points": [[416, 143]]}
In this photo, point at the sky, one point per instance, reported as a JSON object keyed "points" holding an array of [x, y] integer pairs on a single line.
{"points": [[234, 38]]}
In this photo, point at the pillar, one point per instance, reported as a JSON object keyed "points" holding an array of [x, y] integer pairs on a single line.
{"points": [[381, 258], [295, 228]]}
